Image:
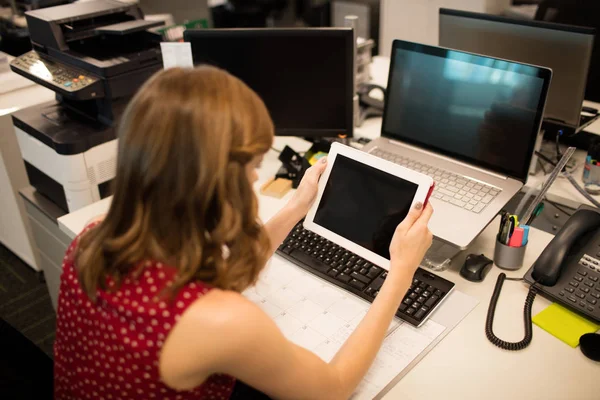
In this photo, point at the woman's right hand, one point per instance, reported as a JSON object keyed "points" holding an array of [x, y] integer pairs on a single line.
{"points": [[411, 241]]}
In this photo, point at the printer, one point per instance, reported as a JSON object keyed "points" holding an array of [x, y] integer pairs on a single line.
{"points": [[94, 55]]}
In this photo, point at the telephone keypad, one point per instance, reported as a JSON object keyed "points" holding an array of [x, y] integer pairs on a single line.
{"points": [[584, 289], [596, 295], [578, 278], [593, 278], [574, 284], [572, 298], [582, 272], [582, 304], [570, 290], [591, 309]]}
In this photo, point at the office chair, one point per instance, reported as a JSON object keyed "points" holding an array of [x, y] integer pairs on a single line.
{"points": [[581, 13], [26, 372]]}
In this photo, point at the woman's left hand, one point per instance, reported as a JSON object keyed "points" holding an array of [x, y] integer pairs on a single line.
{"points": [[307, 190]]}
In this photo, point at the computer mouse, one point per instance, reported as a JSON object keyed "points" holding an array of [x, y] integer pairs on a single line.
{"points": [[476, 267], [590, 346]]}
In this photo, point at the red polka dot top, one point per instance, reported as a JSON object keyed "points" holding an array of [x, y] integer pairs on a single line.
{"points": [[109, 349]]}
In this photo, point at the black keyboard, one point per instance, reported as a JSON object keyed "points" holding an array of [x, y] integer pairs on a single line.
{"points": [[350, 272]]}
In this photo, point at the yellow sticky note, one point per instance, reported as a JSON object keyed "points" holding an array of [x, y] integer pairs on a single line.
{"points": [[564, 324]]}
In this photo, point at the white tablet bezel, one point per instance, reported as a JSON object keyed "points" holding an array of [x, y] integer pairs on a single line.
{"points": [[423, 182]]}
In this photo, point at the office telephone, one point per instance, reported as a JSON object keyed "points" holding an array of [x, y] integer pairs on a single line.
{"points": [[567, 272]]}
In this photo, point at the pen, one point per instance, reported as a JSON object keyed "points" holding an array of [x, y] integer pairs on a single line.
{"points": [[537, 211], [510, 228]]}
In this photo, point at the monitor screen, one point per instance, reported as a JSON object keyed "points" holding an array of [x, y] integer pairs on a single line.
{"points": [[565, 49], [364, 204], [304, 76], [477, 109]]}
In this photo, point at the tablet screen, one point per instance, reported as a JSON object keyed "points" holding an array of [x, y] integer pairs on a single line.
{"points": [[364, 204]]}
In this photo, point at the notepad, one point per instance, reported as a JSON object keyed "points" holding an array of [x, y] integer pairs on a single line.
{"points": [[564, 324]]}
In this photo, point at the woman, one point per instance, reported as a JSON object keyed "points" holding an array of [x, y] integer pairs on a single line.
{"points": [[150, 303]]}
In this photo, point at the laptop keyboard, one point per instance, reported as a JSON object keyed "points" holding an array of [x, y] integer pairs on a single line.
{"points": [[451, 188], [354, 274]]}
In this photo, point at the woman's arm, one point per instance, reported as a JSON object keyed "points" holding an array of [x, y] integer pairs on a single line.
{"points": [[282, 223], [225, 333]]}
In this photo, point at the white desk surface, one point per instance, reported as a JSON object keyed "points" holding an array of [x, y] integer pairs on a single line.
{"points": [[464, 365]]}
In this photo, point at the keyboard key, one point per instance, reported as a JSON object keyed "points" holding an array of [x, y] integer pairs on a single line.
{"points": [[360, 278], [415, 305], [469, 207], [421, 299], [408, 301], [453, 189], [470, 195], [410, 311], [412, 296], [478, 208], [426, 294], [418, 290], [357, 284], [477, 198], [458, 196], [373, 272], [377, 283], [343, 277], [419, 314], [458, 203], [310, 261], [439, 293], [494, 192], [432, 300], [487, 199], [446, 192], [333, 272], [402, 307]]}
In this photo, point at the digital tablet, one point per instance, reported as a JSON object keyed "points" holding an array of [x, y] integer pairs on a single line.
{"points": [[362, 199]]}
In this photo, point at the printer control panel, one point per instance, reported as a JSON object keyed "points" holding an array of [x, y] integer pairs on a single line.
{"points": [[61, 78]]}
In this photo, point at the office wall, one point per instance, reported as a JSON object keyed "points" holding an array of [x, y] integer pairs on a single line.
{"points": [[417, 20]]}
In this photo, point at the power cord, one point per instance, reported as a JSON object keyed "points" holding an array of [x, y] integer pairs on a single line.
{"points": [[489, 322], [570, 178]]}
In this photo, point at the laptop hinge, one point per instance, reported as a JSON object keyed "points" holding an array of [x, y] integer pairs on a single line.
{"points": [[449, 159]]}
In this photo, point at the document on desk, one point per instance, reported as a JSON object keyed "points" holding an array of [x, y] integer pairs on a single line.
{"points": [[320, 317]]}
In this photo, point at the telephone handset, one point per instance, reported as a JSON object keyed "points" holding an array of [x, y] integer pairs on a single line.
{"points": [[567, 271], [547, 269]]}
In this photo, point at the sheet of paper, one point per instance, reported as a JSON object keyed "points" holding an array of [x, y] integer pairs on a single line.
{"points": [[319, 317], [177, 55]]}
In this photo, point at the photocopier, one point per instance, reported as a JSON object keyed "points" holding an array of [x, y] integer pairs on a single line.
{"points": [[94, 55]]}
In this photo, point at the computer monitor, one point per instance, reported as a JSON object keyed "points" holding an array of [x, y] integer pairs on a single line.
{"points": [[304, 76], [564, 49]]}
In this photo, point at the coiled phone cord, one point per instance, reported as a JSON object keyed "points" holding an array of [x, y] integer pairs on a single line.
{"points": [[489, 332]]}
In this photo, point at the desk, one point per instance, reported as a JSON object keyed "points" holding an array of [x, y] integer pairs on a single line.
{"points": [[464, 365]]}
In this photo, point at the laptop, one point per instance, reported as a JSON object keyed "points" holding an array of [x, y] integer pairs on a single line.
{"points": [[468, 121]]}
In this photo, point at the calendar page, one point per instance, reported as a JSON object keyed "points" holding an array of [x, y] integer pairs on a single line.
{"points": [[320, 317]]}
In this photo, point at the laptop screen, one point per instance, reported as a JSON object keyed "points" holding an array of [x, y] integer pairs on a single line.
{"points": [[476, 109]]}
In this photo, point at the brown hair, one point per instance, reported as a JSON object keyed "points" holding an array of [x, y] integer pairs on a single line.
{"points": [[181, 192]]}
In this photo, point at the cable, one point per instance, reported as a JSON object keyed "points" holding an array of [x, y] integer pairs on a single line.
{"points": [[545, 158], [489, 322], [581, 190], [542, 166], [275, 150], [559, 207], [558, 135]]}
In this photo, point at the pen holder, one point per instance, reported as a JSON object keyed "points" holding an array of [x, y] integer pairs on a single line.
{"points": [[507, 257]]}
